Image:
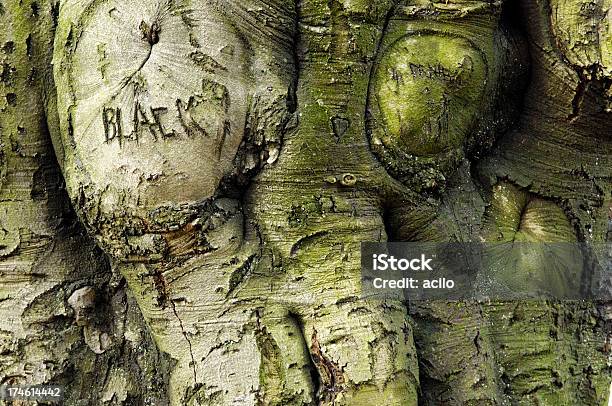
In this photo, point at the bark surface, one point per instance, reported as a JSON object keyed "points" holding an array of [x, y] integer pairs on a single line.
{"points": [[219, 162]]}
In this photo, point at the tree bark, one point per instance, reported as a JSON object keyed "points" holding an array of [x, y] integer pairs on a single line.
{"points": [[101, 350], [229, 157]]}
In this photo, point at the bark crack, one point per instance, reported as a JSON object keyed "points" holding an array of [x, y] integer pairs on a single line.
{"points": [[292, 102], [330, 374], [241, 273], [150, 34], [193, 363], [376, 56]]}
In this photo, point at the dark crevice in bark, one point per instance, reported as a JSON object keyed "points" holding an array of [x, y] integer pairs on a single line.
{"points": [[161, 286], [241, 273], [29, 46], [581, 89], [330, 374], [292, 101], [193, 361], [389, 226], [55, 5], [590, 82], [150, 33], [367, 116], [512, 16], [512, 22]]}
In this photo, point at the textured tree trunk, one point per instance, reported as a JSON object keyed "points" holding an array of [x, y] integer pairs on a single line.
{"points": [[100, 350], [219, 162]]}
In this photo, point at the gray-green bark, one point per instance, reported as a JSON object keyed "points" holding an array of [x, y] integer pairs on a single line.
{"points": [[107, 355], [230, 156]]}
